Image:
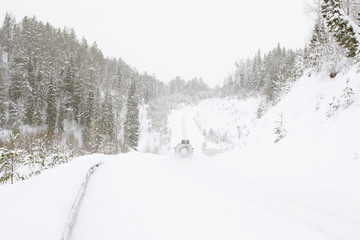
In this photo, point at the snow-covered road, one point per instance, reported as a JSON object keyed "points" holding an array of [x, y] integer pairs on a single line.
{"points": [[150, 197], [142, 196], [250, 194]]}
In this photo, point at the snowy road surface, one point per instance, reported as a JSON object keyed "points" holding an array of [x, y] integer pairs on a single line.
{"points": [[142, 196], [270, 192], [265, 193]]}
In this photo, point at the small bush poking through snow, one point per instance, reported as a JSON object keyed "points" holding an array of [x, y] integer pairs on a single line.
{"points": [[348, 95], [17, 163], [333, 107], [279, 130]]}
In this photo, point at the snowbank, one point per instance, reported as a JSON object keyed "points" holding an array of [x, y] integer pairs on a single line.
{"points": [[38, 208]]}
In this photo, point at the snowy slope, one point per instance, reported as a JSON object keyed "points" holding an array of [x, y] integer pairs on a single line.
{"points": [[314, 117], [308, 116]]}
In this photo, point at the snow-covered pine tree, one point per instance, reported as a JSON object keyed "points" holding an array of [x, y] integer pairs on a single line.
{"points": [[132, 124], [2, 100], [77, 98], [87, 117], [279, 130], [51, 107], [38, 101], [93, 132], [348, 95], [258, 72], [60, 108], [69, 83], [333, 107], [15, 92], [29, 92], [108, 122], [318, 42], [7, 36], [261, 109], [345, 31]]}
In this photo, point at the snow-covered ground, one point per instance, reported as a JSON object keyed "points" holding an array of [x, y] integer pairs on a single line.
{"points": [[238, 195], [39, 208], [304, 187]]}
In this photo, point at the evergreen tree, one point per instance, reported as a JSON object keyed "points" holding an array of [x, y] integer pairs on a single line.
{"points": [[51, 111], [15, 93], [2, 101], [317, 45], [94, 130], [61, 116], [341, 26], [7, 35], [38, 101], [29, 93], [88, 116], [132, 124], [348, 95], [69, 83], [108, 118], [279, 129], [77, 99], [94, 137]]}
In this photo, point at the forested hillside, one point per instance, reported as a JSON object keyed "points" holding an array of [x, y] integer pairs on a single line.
{"points": [[52, 79], [61, 97], [334, 46], [60, 94]]}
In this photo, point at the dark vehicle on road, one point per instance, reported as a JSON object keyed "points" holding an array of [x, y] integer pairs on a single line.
{"points": [[184, 149]]}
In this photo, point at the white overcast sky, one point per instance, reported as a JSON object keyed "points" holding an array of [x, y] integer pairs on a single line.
{"points": [[187, 38]]}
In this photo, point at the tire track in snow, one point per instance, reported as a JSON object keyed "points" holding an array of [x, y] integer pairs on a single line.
{"points": [[77, 202]]}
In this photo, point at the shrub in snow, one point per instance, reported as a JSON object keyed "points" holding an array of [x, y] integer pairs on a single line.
{"points": [[10, 159], [279, 130], [19, 162], [39, 153], [334, 107], [347, 96], [225, 138], [211, 136], [318, 102], [261, 109], [60, 156]]}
